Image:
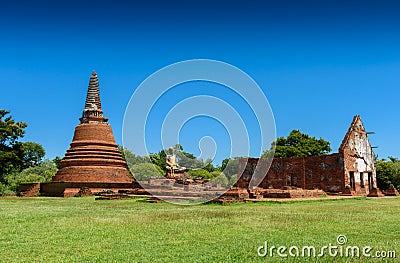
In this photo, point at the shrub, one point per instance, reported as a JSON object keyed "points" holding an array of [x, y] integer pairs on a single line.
{"points": [[233, 179], [221, 179], [143, 171], [36, 174], [199, 173]]}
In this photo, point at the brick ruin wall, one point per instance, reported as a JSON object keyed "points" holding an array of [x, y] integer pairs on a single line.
{"points": [[353, 167], [360, 173], [319, 172]]}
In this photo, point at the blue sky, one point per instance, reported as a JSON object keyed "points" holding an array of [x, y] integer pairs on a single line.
{"points": [[318, 62]]}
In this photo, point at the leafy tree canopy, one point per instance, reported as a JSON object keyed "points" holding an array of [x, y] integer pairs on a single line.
{"points": [[233, 179], [10, 131], [132, 158], [230, 166], [200, 173], [183, 158], [57, 161], [388, 172], [221, 179], [16, 155], [197, 167], [299, 144], [40, 173], [143, 171], [33, 153]]}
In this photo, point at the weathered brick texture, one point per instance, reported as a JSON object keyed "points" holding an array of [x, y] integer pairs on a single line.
{"points": [[353, 166], [94, 156]]}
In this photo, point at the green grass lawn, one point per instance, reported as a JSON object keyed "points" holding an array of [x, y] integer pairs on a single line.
{"points": [[85, 230]]}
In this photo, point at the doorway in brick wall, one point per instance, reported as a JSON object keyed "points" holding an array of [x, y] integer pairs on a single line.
{"points": [[352, 181], [370, 181]]}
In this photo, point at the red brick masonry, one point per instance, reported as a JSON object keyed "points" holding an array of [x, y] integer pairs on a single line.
{"points": [[350, 171], [93, 162], [93, 157]]}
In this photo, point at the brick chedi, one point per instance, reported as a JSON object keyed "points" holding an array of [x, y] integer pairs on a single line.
{"points": [[94, 156]]}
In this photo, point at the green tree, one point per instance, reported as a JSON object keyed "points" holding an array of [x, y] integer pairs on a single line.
{"points": [[10, 148], [4, 189], [159, 159], [33, 154], [35, 174], [215, 174], [209, 166], [10, 131], [16, 155], [132, 158], [187, 159], [57, 161], [221, 179], [183, 158], [233, 179], [224, 163], [199, 173], [230, 166], [388, 172], [143, 171], [299, 144]]}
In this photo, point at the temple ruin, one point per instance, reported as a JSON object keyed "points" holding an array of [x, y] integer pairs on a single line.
{"points": [[351, 171], [93, 162]]}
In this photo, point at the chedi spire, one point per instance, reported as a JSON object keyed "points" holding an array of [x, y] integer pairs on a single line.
{"points": [[94, 156], [93, 111]]}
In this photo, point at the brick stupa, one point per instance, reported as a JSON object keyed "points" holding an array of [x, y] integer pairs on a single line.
{"points": [[93, 162], [94, 156]]}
